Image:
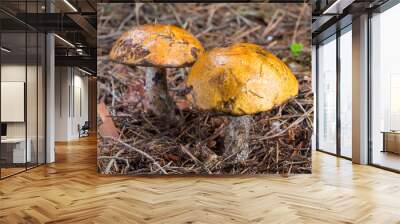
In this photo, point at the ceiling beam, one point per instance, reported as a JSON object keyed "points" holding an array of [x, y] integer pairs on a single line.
{"points": [[78, 61], [86, 26], [337, 7]]}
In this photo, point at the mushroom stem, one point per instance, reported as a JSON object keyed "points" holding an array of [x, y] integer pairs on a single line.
{"points": [[156, 92], [237, 137]]}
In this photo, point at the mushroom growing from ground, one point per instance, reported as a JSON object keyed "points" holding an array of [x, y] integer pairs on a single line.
{"points": [[240, 80], [157, 47]]}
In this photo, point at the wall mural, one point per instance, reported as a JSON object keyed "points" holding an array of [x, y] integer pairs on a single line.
{"points": [[204, 89]]}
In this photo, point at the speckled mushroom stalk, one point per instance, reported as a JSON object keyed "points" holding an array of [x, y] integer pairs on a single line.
{"points": [[237, 139], [157, 47], [156, 92], [238, 81]]}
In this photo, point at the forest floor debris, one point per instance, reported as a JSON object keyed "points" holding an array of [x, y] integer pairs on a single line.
{"points": [[280, 139]]}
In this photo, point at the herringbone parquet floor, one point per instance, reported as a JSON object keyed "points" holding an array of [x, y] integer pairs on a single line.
{"points": [[70, 191]]}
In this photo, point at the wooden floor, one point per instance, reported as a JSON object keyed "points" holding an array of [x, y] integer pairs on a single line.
{"points": [[10, 171], [70, 191]]}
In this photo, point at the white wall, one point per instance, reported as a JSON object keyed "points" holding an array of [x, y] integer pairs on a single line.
{"points": [[70, 83], [80, 110], [62, 81], [33, 127], [12, 73]]}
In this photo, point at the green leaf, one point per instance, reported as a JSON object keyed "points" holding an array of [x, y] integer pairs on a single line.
{"points": [[296, 49]]}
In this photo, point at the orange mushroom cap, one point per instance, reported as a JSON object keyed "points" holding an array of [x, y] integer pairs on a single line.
{"points": [[157, 45], [240, 79]]}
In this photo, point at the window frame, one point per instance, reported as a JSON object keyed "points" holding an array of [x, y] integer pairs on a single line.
{"points": [[339, 32]]}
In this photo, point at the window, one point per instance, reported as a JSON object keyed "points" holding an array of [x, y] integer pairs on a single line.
{"points": [[346, 93], [22, 101], [326, 100], [385, 89]]}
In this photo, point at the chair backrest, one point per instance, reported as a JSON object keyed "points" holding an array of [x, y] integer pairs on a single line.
{"points": [[86, 125]]}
